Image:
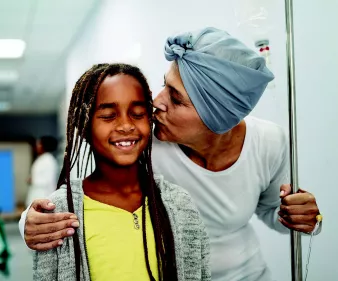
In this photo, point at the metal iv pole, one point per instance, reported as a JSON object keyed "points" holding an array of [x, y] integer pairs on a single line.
{"points": [[296, 245]]}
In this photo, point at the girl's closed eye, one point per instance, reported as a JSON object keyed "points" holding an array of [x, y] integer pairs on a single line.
{"points": [[138, 114], [108, 116]]}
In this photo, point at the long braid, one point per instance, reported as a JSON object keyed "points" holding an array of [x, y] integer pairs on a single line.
{"points": [[88, 158], [170, 272], [166, 250], [162, 229], [86, 107], [144, 232], [76, 240], [72, 113], [80, 112], [74, 117]]}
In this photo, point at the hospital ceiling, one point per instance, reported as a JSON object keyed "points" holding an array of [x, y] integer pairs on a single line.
{"points": [[35, 82]]}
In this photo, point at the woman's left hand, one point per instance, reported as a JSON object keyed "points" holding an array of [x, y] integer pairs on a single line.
{"points": [[298, 211]]}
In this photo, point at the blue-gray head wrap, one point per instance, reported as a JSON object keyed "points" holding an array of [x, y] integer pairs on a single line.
{"points": [[224, 78]]}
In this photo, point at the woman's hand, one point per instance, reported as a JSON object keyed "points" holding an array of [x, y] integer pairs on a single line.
{"points": [[45, 231], [298, 211]]}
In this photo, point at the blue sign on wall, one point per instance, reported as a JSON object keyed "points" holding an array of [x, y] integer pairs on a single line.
{"points": [[7, 204]]}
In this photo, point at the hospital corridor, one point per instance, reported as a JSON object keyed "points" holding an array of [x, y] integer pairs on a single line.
{"points": [[168, 140]]}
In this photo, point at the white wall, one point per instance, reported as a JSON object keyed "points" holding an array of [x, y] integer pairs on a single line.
{"points": [[317, 84], [119, 26]]}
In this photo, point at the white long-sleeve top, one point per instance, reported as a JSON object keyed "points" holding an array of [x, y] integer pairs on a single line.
{"points": [[228, 199]]}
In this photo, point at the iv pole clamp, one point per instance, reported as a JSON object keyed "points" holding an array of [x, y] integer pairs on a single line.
{"points": [[296, 245]]}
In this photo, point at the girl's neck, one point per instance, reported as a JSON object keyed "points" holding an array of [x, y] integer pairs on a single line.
{"points": [[108, 178], [115, 186]]}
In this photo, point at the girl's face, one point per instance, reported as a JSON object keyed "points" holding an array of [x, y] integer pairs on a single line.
{"points": [[120, 127]]}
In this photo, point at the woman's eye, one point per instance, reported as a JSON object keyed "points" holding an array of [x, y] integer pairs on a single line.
{"points": [[175, 101]]}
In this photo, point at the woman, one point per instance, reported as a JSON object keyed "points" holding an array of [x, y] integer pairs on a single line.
{"points": [[232, 165]]}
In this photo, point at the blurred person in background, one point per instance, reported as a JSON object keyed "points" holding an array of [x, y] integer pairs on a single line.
{"points": [[44, 170]]}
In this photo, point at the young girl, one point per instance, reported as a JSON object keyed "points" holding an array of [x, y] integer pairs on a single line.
{"points": [[132, 226]]}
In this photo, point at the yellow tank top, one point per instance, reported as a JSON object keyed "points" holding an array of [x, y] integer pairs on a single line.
{"points": [[115, 245]]}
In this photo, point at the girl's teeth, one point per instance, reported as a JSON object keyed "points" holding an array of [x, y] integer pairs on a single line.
{"points": [[125, 143]]}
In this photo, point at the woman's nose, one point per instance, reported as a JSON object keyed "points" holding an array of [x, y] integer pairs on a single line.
{"points": [[159, 102]]}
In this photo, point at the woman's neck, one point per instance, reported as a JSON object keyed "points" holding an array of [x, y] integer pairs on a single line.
{"points": [[218, 152]]}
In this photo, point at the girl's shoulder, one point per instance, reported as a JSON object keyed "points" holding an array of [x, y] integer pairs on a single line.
{"points": [[59, 196], [167, 188]]}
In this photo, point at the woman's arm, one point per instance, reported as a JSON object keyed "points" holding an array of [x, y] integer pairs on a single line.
{"points": [[269, 200], [277, 207], [44, 231]]}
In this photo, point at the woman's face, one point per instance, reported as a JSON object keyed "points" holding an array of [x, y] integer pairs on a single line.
{"points": [[176, 119]]}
